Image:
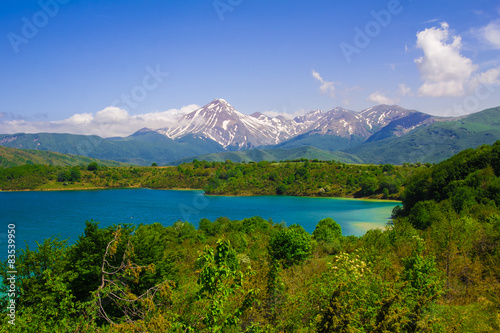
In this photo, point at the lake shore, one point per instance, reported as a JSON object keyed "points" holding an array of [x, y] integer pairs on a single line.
{"points": [[95, 188]]}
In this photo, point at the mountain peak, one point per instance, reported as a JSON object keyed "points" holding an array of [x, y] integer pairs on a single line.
{"points": [[220, 122], [143, 130], [258, 115], [218, 105], [219, 101]]}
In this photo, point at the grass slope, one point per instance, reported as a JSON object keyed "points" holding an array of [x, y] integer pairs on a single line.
{"points": [[140, 148], [10, 157]]}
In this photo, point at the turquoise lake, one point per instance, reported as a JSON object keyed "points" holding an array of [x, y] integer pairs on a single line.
{"points": [[40, 215]]}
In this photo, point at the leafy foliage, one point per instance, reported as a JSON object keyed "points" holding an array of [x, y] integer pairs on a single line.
{"points": [[435, 268], [327, 230], [290, 246]]}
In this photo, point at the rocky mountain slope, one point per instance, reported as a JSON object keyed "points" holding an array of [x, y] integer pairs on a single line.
{"points": [[220, 122]]}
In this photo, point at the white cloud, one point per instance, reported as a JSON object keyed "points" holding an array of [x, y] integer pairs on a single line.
{"points": [[109, 122], [431, 21], [490, 34], [379, 98], [327, 87], [404, 90], [489, 77], [443, 69], [286, 115]]}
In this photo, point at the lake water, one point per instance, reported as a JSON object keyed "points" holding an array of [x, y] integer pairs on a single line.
{"points": [[40, 215]]}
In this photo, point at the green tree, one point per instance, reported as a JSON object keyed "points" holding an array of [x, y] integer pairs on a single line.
{"points": [[220, 277], [184, 231], [206, 226], [425, 283], [92, 166], [75, 174], [44, 300], [424, 213], [115, 299], [85, 257], [327, 230], [463, 198], [369, 185], [290, 246], [64, 176]]}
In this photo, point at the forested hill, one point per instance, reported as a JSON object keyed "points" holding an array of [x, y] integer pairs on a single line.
{"points": [[468, 183], [10, 157], [435, 268], [298, 178]]}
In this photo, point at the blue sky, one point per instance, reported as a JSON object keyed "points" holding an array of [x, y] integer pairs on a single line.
{"points": [[66, 63]]}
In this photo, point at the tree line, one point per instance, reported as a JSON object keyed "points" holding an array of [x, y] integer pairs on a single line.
{"points": [[297, 178]]}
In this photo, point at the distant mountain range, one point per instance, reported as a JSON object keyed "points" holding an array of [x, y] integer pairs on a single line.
{"points": [[381, 134], [141, 148], [220, 122], [10, 157]]}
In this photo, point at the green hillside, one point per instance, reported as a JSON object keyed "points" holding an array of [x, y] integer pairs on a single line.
{"points": [[258, 155], [10, 157], [323, 142], [142, 148], [434, 143]]}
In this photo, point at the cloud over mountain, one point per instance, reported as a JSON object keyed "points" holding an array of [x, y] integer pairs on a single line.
{"points": [[109, 122], [378, 98], [327, 87]]}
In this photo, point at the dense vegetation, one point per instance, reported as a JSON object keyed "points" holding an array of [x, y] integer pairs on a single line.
{"points": [[298, 178], [435, 268]]}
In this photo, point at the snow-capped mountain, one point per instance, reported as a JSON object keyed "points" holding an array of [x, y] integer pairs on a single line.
{"points": [[340, 122], [381, 115], [220, 122]]}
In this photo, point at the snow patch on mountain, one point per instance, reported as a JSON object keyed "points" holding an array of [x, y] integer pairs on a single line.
{"points": [[220, 122]]}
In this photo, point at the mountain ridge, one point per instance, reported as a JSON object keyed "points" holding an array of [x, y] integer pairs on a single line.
{"points": [[380, 134], [220, 122]]}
